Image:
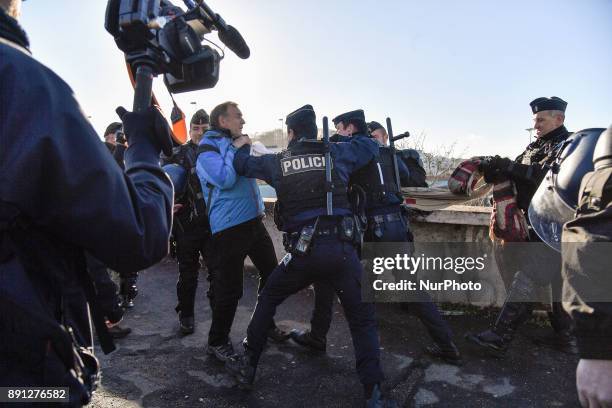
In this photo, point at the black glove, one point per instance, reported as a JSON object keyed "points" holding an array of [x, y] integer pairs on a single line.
{"points": [[147, 127], [495, 168]]}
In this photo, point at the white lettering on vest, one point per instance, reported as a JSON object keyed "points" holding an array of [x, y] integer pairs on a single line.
{"points": [[302, 163]]}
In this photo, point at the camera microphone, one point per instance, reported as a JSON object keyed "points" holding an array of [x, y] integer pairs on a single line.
{"points": [[234, 41], [227, 34]]}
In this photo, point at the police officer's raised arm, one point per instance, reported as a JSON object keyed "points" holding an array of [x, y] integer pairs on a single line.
{"points": [[262, 167], [356, 153]]}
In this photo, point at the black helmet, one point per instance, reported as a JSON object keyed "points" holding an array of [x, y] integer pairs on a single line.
{"points": [[555, 201], [602, 157]]}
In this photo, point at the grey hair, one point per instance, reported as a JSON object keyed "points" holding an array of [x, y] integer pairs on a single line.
{"points": [[554, 113]]}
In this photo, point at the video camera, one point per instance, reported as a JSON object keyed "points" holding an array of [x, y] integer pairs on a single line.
{"points": [[160, 38]]}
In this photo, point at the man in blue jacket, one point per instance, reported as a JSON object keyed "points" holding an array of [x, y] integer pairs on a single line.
{"points": [[61, 195], [320, 247], [235, 212]]}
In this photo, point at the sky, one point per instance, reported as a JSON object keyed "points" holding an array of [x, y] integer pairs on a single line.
{"points": [[460, 72]]}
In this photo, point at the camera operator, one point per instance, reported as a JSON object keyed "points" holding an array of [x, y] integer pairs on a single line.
{"points": [[51, 213]]}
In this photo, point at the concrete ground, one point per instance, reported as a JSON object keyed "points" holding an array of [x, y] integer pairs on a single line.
{"points": [[157, 367]]}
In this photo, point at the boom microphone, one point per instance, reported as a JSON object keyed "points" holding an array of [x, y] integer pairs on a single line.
{"points": [[234, 41]]}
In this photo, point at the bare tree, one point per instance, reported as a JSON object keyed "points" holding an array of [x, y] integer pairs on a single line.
{"points": [[439, 161]]}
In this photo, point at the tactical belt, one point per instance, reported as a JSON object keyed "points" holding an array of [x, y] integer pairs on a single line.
{"points": [[346, 230], [320, 232], [379, 219]]}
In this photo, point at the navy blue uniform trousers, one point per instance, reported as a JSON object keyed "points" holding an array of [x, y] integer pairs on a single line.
{"points": [[424, 309], [336, 264]]}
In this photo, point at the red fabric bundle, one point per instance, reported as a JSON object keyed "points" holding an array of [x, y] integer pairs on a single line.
{"points": [[465, 177], [508, 222]]}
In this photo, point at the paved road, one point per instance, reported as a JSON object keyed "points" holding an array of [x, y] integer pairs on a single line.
{"points": [[157, 367]]}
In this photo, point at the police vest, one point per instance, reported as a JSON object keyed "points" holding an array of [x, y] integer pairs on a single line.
{"points": [[377, 178], [185, 156], [302, 183], [543, 151]]}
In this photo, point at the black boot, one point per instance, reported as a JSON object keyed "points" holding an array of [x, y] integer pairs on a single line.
{"points": [[564, 342], [186, 324], [516, 311], [563, 339], [277, 335], [448, 353], [495, 341], [129, 290], [376, 400], [490, 342], [118, 332], [307, 339], [243, 367]]}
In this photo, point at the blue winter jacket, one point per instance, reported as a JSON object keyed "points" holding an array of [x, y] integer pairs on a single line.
{"points": [[230, 199]]}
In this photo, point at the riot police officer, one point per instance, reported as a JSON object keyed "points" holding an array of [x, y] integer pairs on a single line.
{"points": [[377, 185], [416, 175], [320, 246], [51, 213], [587, 277], [191, 229], [576, 198], [527, 172]]}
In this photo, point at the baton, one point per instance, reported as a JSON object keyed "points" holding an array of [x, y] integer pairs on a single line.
{"points": [[393, 155], [328, 179]]}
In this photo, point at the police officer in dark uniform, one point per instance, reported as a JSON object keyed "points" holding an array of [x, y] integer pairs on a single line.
{"points": [[51, 212], [117, 144], [110, 135], [320, 247], [416, 175], [588, 280], [527, 172], [191, 229], [377, 186]]}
